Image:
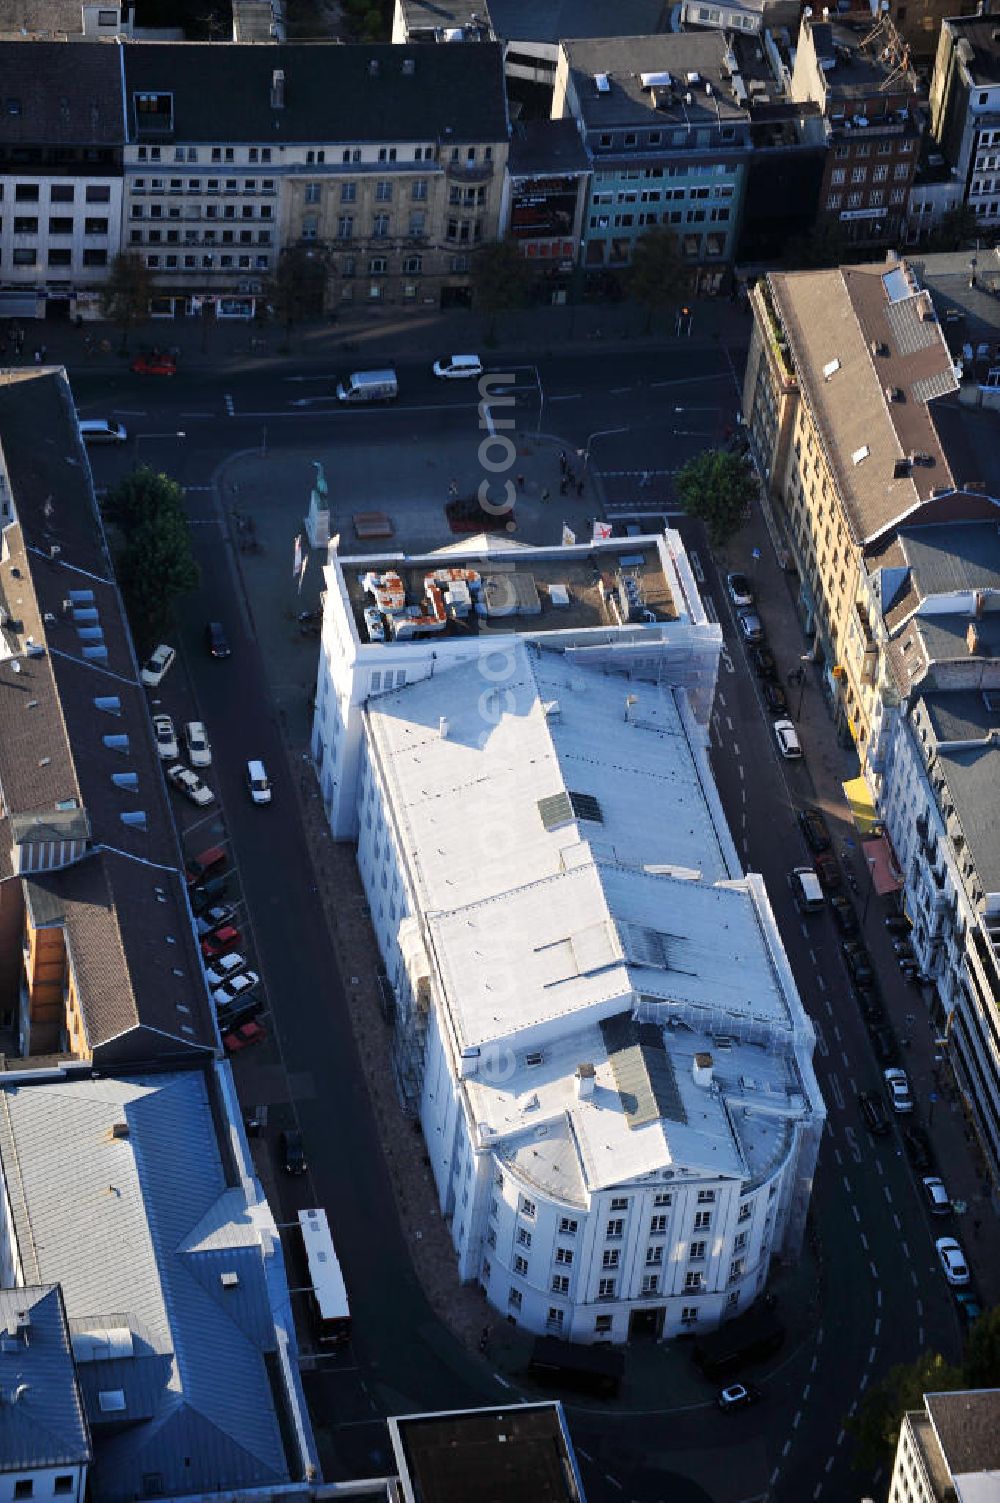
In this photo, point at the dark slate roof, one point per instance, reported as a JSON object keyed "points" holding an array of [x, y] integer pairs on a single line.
{"points": [[42, 1422], [967, 1426], [126, 940], [970, 771], [66, 95], [624, 59], [556, 20], [540, 147], [222, 91]]}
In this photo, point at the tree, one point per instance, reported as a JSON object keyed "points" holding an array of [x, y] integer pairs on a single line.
{"points": [[500, 280], [155, 564], [298, 287], [126, 295], [825, 245], [717, 486], [982, 1355], [876, 1424], [657, 277], [958, 228]]}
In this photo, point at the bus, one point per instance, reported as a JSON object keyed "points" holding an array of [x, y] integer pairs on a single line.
{"points": [[331, 1311]]}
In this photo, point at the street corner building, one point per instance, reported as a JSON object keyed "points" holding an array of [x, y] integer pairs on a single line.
{"points": [[594, 1016]]}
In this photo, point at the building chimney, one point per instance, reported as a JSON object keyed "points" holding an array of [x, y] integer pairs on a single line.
{"points": [[979, 602], [443, 727], [702, 1071], [278, 89], [584, 1082], [120, 1130]]}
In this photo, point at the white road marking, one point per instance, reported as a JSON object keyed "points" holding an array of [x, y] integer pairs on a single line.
{"points": [[844, 1057], [786, 1448], [863, 1383], [838, 1156], [874, 1270], [230, 405], [817, 1490], [841, 1435], [920, 1307], [814, 1363], [846, 1183], [878, 1298], [826, 1004], [727, 661], [805, 1391], [829, 1464], [837, 1093], [913, 1278], [853, 1409], [857, 1214], [887, 1193], [740, 770], [878, 1165], [729, 721], [821, 983], [920, 1338], [570, 396], [878, 1324], [864, 1241], [871, 1354], [836, 1033], [812, 957], [614, 1482], [774, 1477], [710, 610], [906, 1251], [617, 391], [720, 696], [796, 1422]]}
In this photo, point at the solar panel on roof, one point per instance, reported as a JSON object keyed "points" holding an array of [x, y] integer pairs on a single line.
{"points": [[562, 808]]}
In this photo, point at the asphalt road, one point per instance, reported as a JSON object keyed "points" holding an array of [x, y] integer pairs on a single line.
{"points": [[883, 1297]]}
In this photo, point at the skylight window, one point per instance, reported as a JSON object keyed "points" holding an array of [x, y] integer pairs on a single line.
{"points": [[861, 454]]}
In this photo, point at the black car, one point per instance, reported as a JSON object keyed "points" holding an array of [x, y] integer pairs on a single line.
{"points": [[293, 1154], [774, 697], [858, 961], [763, 662], [239, 1010], [215, 638], [873, 1113], [918, 1147], [815, 830], [869, 1005], [897, 924], [843, 912], [884, 1045]]}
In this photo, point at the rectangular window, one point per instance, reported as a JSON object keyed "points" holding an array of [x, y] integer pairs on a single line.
{"points": [[95, 226], [615, 1229], [663, 1198], [706, 1197], [23, 257], [523, 1236], [60, 257], [746, 1210], [312, 193], [612, 1257], [568, 1227], [527, 1207], [98, 193], [24, 1487], [383, 191], [63, 1484], [26, 193], [25, 226], [702, 1221], [520, 1264], [61, 193], [418, 189], [651, 1283], [606, 1288], [657, 1226], [564, 1255], [692, 1281], [348, 193], [654, 1254], [602, 1324], [696, 1252], [345, 227], [380, 226], [689, 1314], [560, 1283], [514, 1299], [620, 1203]]}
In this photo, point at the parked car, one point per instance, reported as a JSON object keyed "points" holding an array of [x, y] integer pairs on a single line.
{"points": [[218, 943], [750, 626], [190, 784], [843, 912], [165, 737], [763, 663], [225, 968], [212, 919], [815, 829], [205, 896], [740, 589], [884, 1045], [159, 663], [196, 743], [956, 1270], [374, 624], [788, 741], [858, 962], [873, 1113], [293, 1153], [970, 1307], [737, 1396], [233, 1014], [937, 1197], [896, 923], [774, 697], [869, 1005], [102, 431], [458, 367], [197, 868], [827, 870], [898, 1088], [216, 640], [243, 1035], [235, 988], [154, 364], [258, 785], [918, 1148]]}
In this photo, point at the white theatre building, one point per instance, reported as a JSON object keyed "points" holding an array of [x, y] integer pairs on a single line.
{"points": [[594, 1014]]}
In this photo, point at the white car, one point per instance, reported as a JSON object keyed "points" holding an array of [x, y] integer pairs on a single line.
{"points": [[956, 1270], [788, 741], [225, 968], [257, 783], [237, 986], [166, 737], [458, 367], [159, 662], [898, 1087], [199, 752], [374, 625], [190, 784], [938, 1199], [102, 431]]}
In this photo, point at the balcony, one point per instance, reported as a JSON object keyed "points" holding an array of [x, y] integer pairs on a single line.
{"points": [[469, 172]]}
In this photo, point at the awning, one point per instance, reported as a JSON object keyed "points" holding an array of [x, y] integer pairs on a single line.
{"points": [[20, 305], [881, 862], [862, 809]]}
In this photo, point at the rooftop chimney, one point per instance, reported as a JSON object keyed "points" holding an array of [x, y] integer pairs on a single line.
{"points": [[584, 1082], [703, 1064], [278, 89]]}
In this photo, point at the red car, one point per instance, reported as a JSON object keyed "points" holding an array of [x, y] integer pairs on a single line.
{"points": [[827, 870], [219, 943], [154, 365], [197, 868], [243, 1036]]}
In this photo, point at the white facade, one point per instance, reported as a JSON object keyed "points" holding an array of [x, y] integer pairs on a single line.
{"points": [[59, 231], [948, 1449], [594, 1013], [352, 670]]}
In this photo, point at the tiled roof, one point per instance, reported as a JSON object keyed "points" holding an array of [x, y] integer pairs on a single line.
{"points": [[332, 92], [120, 1221], [863, 349], [42, 1423], [64, 95], [966, 1425], [77, 759]]}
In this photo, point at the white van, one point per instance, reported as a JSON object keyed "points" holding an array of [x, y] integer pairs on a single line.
{"points": [[102, 431], [807, 891], [458, 367], [257, 783], [368, 386]]}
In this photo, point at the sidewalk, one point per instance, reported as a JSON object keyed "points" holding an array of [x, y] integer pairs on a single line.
{"points": [[379, 335]]}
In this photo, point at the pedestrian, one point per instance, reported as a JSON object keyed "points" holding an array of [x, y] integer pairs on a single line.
{"points": [[562, 460], [579, 489], [38, 357], [520, 482], [563, 485], [545, 494]]}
